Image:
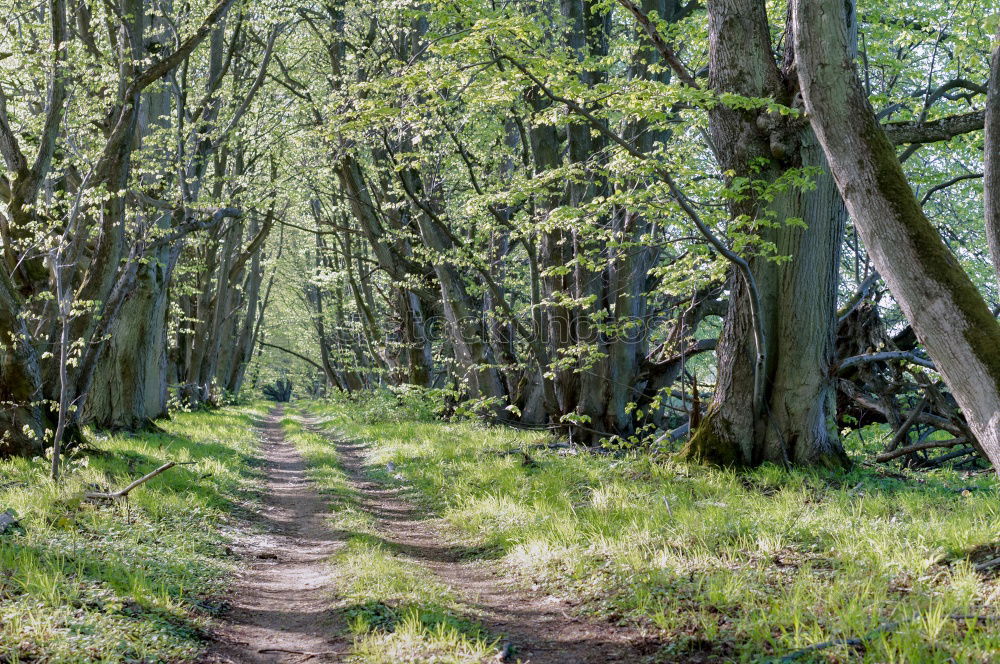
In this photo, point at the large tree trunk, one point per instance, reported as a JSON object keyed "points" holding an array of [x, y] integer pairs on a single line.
{"points": [[129, 388], [937, 296], [786, 412]]}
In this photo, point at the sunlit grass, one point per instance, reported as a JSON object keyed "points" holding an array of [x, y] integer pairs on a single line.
{"points": [[738, 566], [123, 581]]}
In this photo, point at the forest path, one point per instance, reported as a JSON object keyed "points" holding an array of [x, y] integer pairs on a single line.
{"points": [[536, 628], [280, 606]]}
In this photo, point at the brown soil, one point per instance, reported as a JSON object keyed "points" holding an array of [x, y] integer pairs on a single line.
{"points": [[280, 606], [284, 602]]}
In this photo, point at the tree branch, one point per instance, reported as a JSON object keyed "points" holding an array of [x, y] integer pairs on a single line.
{"points": [[947, 183], [662, 47], [254, 87], [294, 354], [936, 130], [194, 225], [161, 68], [886, 355]]}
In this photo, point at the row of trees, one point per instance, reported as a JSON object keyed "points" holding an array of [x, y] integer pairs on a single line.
{"points": [[623, 219], [552, 204], [137, 197]]}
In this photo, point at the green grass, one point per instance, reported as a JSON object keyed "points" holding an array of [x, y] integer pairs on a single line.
{"points": [[130, 581], [394, 609], [728, 566]]}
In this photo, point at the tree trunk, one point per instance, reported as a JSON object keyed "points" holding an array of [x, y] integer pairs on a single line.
{"points": [[129, 387], [787, 414], [22, 423], [991, 154], [465, 325], [129, 382], [937, 296]]}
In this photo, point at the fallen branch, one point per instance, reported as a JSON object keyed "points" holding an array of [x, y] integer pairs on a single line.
{"points": [[306, 655], [853, 641], [853, 393], [910, 449], [98, 495], [537, 446], [936, 462], [988, 565], [885, 356], [908, 424]]}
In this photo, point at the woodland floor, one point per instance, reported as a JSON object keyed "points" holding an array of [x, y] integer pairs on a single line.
{"points": [[366, 530], [281, 609]]}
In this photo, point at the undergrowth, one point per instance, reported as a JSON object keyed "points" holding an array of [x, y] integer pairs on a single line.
{"points": [[728, 566], [131, 580]]}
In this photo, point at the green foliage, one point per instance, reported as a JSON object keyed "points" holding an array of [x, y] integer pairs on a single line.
{"points": [[397, 403]]}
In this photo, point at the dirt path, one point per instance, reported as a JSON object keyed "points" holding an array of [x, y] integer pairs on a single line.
{"points": [[539, 628], [280, 605]]}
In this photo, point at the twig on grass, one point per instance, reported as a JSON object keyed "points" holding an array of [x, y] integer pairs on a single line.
{"points": [[100, 495]]}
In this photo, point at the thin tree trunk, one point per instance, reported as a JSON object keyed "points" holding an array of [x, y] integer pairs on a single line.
{"points": [[991, 142]]}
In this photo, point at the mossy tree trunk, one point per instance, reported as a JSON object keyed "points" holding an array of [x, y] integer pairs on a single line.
{"points": [[946, 310]]}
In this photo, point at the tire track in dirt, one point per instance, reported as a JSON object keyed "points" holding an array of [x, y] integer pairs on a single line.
{"points": [[540, 628], [280, 607]]}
